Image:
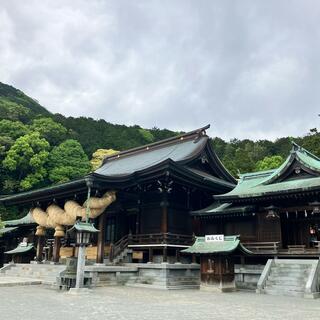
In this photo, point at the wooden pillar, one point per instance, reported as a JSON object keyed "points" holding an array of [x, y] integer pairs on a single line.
{"points": [[150, 255], [138, 216], [101, 238], [40, 246], [165, 254], [242, 261], [111, 254], [56, 249], [164, 218], [178, 255]]}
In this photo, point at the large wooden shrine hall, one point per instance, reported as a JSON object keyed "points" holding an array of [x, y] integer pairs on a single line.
{"points": [[155, 187], [156, 206]]}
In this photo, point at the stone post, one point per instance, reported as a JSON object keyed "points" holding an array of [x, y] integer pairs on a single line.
{"points": [[80, 267]]}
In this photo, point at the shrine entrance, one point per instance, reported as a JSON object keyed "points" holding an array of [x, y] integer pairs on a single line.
{"points": [[300, 230]]}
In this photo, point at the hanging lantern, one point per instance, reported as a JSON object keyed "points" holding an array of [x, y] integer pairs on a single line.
{"points": [[316, 207], [83, 231]]}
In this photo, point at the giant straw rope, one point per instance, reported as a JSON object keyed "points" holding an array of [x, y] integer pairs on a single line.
{"points": [[56, 217]]}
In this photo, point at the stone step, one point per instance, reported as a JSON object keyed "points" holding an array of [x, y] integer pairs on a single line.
{"points": [[283, 293], [286, 288], [291, 273], [288, 282], [293, 270], [292, 265], [301, 266], [11, 281], [287, 277]]}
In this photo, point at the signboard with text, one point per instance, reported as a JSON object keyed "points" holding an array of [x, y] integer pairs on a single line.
{"points": [[214, 237]]}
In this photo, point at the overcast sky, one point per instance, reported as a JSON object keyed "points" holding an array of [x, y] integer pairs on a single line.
{"points": [[250, 68]]}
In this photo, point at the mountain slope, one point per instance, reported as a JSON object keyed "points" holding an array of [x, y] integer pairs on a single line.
{"points": [[92, 134], [10, 94]]}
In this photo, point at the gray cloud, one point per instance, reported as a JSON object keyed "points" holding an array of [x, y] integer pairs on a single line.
{"points": [[250, 68]]}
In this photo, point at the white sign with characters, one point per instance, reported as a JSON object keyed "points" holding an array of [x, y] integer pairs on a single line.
{"points": [[214, 237]]}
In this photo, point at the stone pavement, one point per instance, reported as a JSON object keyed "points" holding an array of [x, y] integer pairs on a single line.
{"points": [[38, 302]]}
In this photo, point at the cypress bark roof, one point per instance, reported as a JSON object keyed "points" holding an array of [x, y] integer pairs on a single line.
{"points": [[188, 157]]}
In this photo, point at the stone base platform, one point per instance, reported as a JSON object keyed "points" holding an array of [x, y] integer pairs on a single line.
{"points": [[149, 275], [15, 281]]}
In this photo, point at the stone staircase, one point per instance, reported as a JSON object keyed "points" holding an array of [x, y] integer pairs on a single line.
{"points": [[30, 274], [290, 278], [125, 256]]}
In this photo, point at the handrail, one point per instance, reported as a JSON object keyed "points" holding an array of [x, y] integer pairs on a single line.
{"points": [[151, 238], [118, 247], [264, 275], [262, 246]]}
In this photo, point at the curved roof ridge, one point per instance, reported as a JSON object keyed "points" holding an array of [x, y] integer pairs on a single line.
{"points": [[253, 175], [299, 154], [162, 143], [297, 148]]}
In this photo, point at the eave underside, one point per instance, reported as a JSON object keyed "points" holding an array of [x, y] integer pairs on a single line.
{"points": [[167, 169]]}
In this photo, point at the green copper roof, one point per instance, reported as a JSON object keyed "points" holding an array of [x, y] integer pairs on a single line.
{"points": [[21, 248], [230, 244], [6, 230], [218, 209], [27, 219], [276, 181], [84, 227]]}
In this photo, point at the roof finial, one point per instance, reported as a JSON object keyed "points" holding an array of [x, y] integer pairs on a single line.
{"points": [[295, 146]]}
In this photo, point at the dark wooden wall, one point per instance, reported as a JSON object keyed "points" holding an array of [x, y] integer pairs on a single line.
{"points": [[268, 229]]}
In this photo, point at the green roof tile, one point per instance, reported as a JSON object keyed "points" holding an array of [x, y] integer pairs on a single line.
{"points": [[21, 248], [270, 182], [6, 230], [230, 244]]}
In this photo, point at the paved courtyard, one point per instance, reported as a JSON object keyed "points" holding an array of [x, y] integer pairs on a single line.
{"points": [[37, 302]]}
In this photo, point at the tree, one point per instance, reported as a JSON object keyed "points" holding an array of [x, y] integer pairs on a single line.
{"points": [[147, 135], [99, 155], [26, 159], [13, 111], [12, 129], [67, 161], [311, 142], [5, 144], [243, 162], [269, 163], [52, 131], [1, 224]]}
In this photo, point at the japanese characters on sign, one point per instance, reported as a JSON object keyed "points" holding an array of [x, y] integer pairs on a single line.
{"points": [[214, 237]]}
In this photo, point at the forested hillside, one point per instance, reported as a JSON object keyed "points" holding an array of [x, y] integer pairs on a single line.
{"points": [[38, 148]]}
